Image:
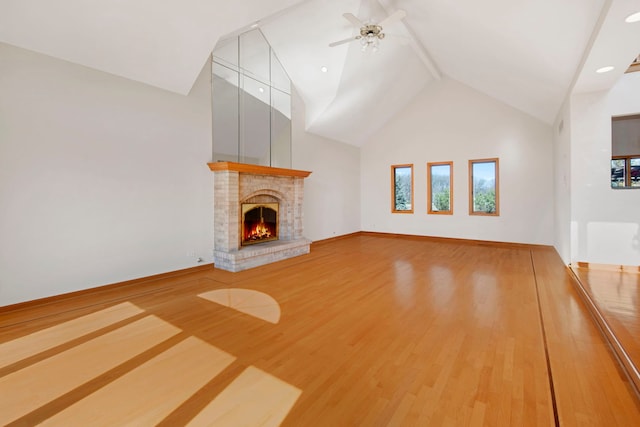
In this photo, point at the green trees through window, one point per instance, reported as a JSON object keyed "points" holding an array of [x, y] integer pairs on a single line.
{"points": [[440, 188], [402, 188], [484, 192], [483, 185]]}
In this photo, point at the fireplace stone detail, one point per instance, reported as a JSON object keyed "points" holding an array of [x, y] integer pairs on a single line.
{"points": [[236, 184]]}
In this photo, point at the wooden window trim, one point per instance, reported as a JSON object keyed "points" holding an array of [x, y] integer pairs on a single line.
{"points": [[627, 171], [393, 189], [429, 204], [471, 163]]}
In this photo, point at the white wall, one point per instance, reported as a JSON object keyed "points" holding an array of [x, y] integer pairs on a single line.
{"points": [[605, 222], [332, 191], [562, 182], [101, 179], [452, 122]]}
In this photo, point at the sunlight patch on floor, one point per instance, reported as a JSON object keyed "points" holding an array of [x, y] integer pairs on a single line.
{"points": [[146, 395], [152, 390], [21, 348], [30, 388], [254, 398], [247, 301]]}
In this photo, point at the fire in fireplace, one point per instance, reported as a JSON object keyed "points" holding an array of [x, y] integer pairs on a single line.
{"points": [[259, 222]]}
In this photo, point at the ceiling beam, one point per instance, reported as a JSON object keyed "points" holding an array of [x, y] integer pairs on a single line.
{"points": [[415, 43]]}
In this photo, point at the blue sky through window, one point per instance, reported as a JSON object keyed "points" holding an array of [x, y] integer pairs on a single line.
{"points": [[485, 170]]}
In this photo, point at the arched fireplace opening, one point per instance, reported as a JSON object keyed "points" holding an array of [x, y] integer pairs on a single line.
{"points": [[259, 223]]}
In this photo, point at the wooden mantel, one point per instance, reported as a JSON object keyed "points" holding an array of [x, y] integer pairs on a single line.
{"points": [[256, 169]]}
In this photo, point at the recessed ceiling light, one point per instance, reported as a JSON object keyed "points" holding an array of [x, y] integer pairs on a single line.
{"points": [[324, 69], [635, 17], [604, 69], [255, 25], [261, 89]]}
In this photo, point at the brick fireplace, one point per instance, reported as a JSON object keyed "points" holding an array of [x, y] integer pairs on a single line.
{"points": [[262, 188]]}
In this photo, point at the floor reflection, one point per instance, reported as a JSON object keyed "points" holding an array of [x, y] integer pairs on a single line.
{"points": [[442, 287], [404, 284], [615, 294]]}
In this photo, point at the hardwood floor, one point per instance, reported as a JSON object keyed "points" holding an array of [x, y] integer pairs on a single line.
{"points": [[370, 330]]}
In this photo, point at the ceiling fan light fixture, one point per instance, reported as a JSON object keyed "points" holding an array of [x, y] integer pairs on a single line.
{"points": [[370, 33], [369, 42]]}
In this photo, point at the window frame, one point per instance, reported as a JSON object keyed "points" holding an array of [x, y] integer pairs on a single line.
{"points": [[627, 172], [496, 161], [393, 189], [430, 210]]}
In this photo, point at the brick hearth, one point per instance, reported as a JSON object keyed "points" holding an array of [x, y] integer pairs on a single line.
{"points": [[237, 183]]}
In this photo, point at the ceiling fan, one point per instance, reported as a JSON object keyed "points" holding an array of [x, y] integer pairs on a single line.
{"points": [[370, 32]]}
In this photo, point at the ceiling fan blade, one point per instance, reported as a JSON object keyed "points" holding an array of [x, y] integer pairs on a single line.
{"points": [[351, 18], [338, 43], [395, 16]]}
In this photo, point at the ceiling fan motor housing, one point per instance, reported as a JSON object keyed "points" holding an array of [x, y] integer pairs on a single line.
{"points": [[372, 30]]}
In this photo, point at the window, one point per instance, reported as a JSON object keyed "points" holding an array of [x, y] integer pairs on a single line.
{"points": [[625, 151], [625, 171], [483, 187], [440, 188], [402, 189]]}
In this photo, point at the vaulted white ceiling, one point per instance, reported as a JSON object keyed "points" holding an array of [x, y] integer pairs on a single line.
{"points": [[528, 54], [162, 43]]}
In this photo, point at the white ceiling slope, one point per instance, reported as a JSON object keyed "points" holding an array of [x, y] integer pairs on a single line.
{"points": [[615, 43], [161, 43], [527, 54], [361, 90], [524, 53]]}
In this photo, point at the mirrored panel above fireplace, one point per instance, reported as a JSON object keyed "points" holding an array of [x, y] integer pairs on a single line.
{"points": [[251, 102]]}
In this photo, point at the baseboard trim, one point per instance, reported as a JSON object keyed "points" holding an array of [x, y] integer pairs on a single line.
{"points": [[334, 238], [110, 287], [453, 240]]}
